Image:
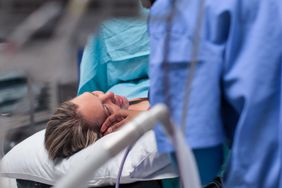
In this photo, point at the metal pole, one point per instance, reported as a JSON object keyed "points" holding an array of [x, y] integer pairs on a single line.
{"points": [[4, 126]]}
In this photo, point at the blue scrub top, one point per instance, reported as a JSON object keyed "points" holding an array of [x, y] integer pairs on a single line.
{"points": [[236, 92]]}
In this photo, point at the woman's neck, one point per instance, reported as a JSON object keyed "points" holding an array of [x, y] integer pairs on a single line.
{"points": [[140, 104]]}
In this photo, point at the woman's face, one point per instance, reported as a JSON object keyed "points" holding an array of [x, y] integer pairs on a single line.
{"points": [[96, 106]]}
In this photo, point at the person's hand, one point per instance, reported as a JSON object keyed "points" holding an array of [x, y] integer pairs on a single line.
{"points": [[117, 120]]}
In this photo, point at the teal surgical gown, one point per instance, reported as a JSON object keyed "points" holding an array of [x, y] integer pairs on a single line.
{"points": [[116, 58], [236, 92]]}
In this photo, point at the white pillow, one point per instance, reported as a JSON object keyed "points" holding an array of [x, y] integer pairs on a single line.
{"points": [[29, 160]]}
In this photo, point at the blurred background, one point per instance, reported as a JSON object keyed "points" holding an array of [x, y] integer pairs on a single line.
{"points": [[41, 44]]}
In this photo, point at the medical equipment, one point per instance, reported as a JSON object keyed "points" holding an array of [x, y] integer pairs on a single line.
{"points": [[121, 166], [3, 124], [129, 134]]}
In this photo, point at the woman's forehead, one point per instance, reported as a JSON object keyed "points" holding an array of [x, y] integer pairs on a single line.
{"points": [[90, 107], [84, 97]]}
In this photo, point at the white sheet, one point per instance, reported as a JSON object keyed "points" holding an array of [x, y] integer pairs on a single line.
{"points": [[28, 160]]}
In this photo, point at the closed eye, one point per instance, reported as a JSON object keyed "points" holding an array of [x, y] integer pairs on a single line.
{"points": [[108, 111]]}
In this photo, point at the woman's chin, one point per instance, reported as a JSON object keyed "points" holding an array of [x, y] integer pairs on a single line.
{"points": [[125, 105], [122, 102]]}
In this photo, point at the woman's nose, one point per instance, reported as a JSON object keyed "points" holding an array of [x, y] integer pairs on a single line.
{"points": [[109, 96]]}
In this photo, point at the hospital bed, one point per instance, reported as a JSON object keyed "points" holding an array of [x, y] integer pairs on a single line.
{"points": [[148, 165], [28, 162]]}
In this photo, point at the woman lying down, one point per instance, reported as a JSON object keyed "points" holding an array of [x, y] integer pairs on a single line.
{"points": [[81, 121]]}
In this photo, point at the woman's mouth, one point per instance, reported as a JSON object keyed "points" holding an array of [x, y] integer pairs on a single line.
{"points": [[122, 102]]}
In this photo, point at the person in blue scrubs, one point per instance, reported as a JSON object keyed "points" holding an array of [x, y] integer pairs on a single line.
{"points": [[236, 95]]}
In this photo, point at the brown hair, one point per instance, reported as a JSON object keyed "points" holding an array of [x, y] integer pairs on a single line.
{"points": [[68, 132]]}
